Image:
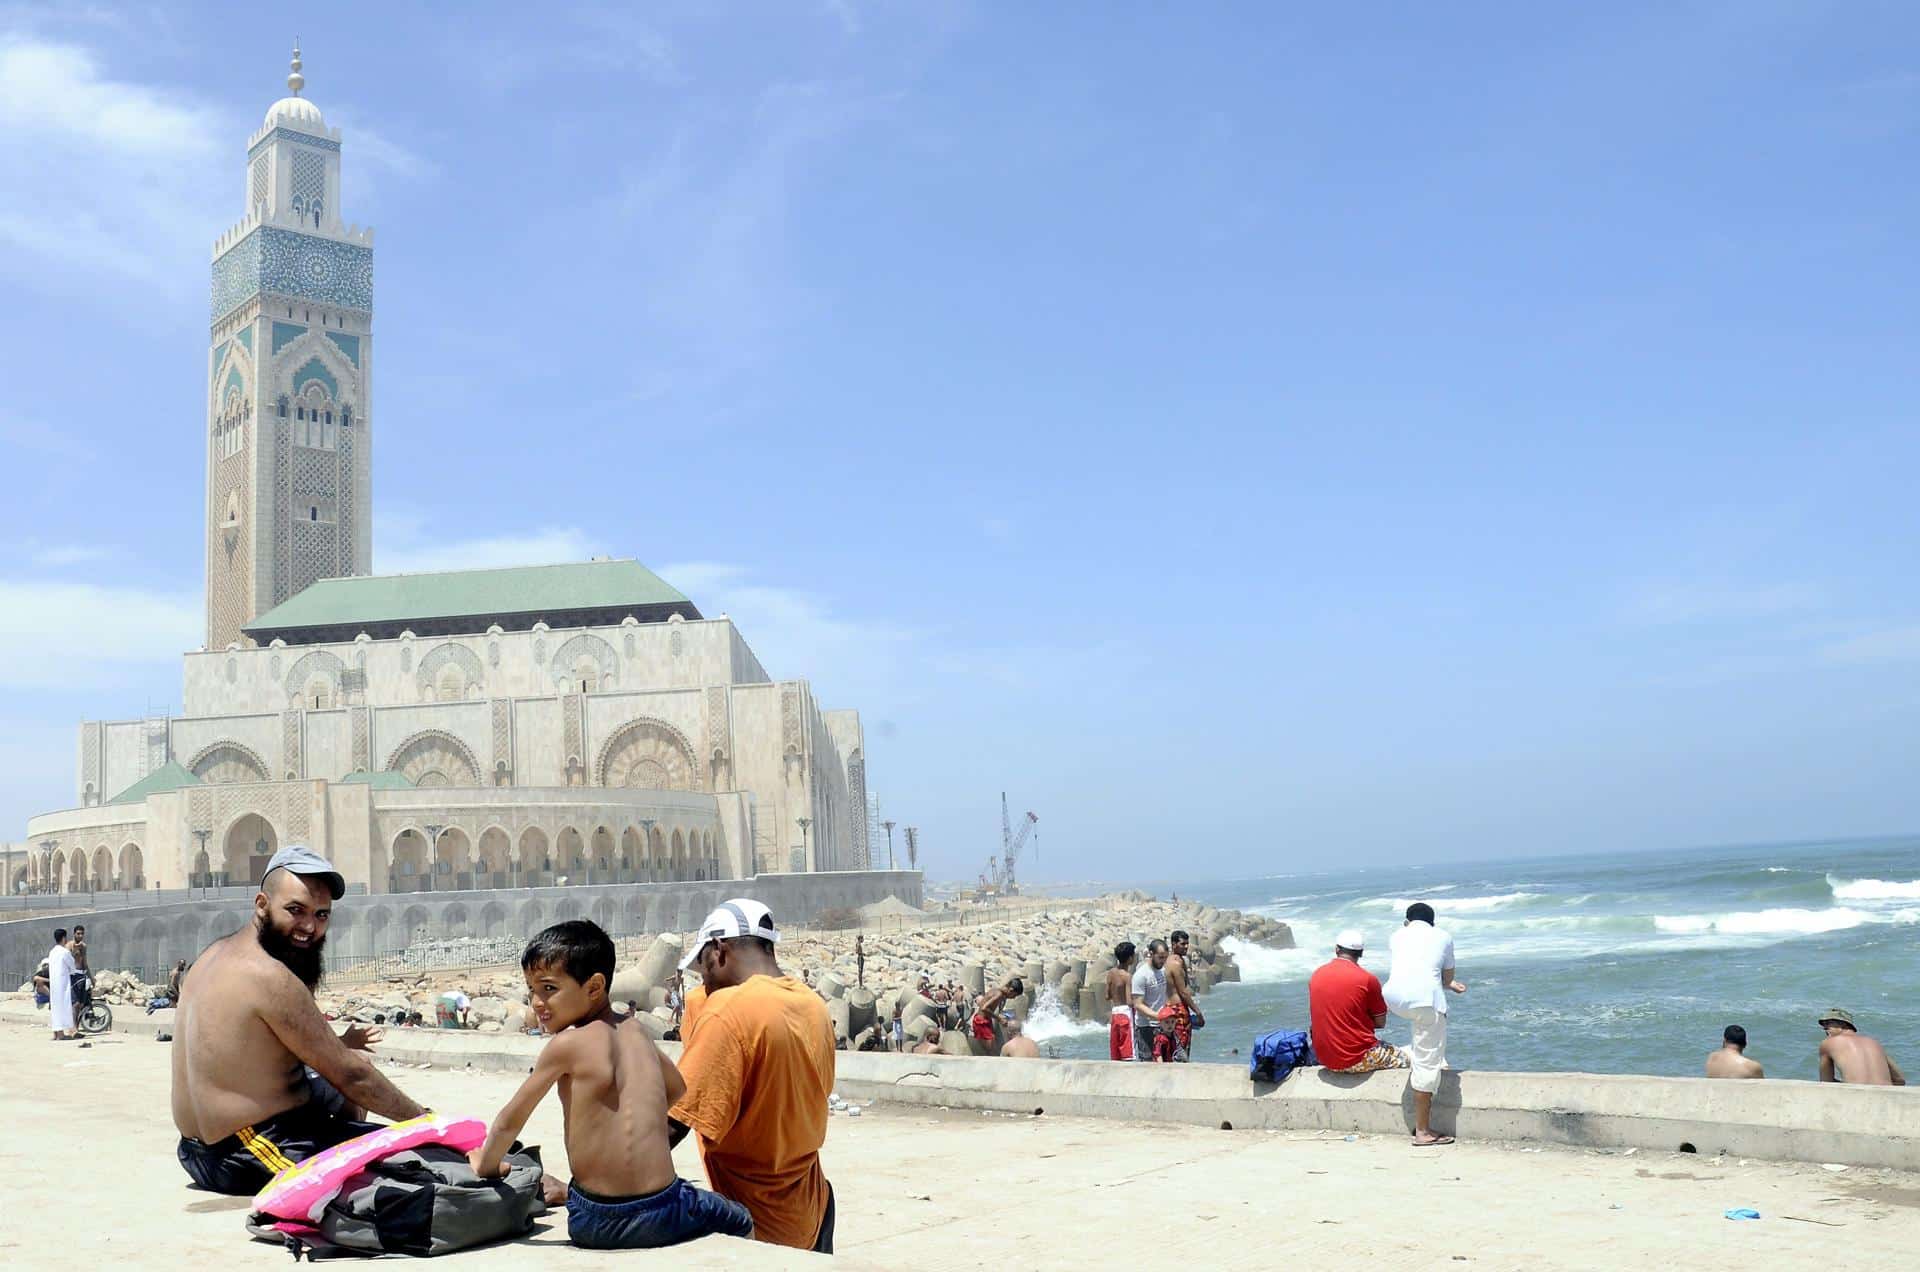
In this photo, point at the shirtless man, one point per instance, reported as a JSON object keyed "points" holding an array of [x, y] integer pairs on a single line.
{"points": [[259, 1079], [930, 1045], [1119, 985], [1853, 1058], [1018, 1046], [1186, 1014], [986, 1013], [1731, 1060]]}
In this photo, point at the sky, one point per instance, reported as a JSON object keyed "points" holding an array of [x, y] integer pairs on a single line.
{"points": [[1255, 438]]}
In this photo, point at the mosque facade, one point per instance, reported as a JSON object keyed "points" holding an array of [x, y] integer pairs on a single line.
{"points": [[577, 723]]}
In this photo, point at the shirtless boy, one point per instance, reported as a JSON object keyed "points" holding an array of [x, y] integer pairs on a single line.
{"points": [[260, 1080], [615, 1089], [1847, 1055], [1120, 1003]]}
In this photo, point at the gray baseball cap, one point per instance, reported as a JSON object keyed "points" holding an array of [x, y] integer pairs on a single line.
{"points": [[303, 860]]}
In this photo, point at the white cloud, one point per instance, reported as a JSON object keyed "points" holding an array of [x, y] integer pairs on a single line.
{"points": [[57, 635], [32, 435], [1893, 644], [415, 552], [105, 176], [1675, 604], [72, 554]]}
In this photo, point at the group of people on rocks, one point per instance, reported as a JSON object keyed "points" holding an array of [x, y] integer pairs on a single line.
{"points": [[1152, 1014], [261, 1081]]}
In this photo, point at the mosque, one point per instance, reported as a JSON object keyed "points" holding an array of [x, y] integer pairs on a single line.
{"points": [[577, 723]]}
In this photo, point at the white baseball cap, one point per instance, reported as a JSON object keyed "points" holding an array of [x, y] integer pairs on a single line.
{"points": [[729, 921], [1351, 939]]}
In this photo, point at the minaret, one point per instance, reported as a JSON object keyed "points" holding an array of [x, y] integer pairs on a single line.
{"points": [[289, 378]]}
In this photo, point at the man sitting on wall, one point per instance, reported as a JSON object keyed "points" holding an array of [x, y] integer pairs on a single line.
{"points": [[259, 1080]]}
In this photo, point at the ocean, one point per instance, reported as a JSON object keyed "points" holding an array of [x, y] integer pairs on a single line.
{"points": [[1620, 963]]}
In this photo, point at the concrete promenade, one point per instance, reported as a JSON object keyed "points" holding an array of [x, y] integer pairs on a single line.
{"points": [[92, 1183]]}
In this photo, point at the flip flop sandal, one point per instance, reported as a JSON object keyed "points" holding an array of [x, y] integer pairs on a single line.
{"points": [[1438, 1141]]}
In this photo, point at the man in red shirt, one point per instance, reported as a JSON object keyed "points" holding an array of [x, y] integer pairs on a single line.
{"points": [[1346, 1005]]}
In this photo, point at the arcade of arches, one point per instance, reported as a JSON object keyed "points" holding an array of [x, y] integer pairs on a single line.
{"points": [[540, 857]]}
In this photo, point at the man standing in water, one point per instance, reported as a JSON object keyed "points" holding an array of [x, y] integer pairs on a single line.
{"points": [[259, 1079], [1186, 1013], [1148, 995], [1849, 1056], [1731, 1060], [1417, 988]]}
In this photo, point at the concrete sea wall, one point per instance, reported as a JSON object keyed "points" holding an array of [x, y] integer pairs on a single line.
{"points": [[1770, 1120], [147, 939]]}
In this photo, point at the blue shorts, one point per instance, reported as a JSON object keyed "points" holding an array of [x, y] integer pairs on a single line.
{"points": [[679, 1212]]}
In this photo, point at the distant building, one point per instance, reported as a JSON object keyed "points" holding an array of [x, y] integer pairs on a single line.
{"points": [[488, 728]]}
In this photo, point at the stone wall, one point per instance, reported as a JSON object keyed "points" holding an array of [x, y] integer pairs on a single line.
{"points": [[150, 938]]}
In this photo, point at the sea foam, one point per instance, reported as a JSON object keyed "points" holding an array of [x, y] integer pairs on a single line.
{"points": [[1781, 922], [1873, 889]]}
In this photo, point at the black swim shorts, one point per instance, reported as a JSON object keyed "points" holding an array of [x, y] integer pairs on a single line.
{"points": [[242, 1164]]}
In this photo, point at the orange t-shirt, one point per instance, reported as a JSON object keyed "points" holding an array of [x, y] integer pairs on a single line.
{"points": [[691, 1005], [759, 1069]]}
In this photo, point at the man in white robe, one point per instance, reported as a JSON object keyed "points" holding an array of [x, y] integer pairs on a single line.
{"points": [[60, 987]]}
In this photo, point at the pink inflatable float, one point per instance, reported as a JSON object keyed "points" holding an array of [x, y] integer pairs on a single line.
{"points": [[303, 1191]]}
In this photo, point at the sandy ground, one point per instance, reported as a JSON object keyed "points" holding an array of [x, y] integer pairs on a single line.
{"points": [[91, 1182]]}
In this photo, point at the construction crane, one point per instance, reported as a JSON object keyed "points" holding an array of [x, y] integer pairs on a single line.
{"points": [[1011, 842]]}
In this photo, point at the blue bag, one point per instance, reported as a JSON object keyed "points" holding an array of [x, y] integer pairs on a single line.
{"points": [[1279, 1053]]}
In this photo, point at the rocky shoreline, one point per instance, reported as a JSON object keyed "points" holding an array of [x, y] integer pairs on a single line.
{"points": [[1060, 952]]}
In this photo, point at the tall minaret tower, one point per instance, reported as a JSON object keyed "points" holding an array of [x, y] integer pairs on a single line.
{"points": [[289, 378]]}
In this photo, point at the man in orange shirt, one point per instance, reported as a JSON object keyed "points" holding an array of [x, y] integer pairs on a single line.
{"points": [[758, 1063]]}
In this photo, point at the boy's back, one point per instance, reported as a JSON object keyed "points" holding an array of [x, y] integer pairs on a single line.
{"points": [[616, 1087]]}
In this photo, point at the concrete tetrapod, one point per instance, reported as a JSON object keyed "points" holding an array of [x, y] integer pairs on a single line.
{"points": [[1034, 973], [830, 986], [655, 968], [860, 1010], [1092, 1003], [973, 978]]}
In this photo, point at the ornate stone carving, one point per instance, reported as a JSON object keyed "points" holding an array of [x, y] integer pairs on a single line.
{"points": [[719, 734], [290, 263], [291, 730], [157, 737], [790, 721], [650, 754], [90, 762], [362, 738], [299, 814], [632, 644], [227, 762], [857, 793], [309, 666], [434, 757], [676, 645], [571, 731], [426, 678], [503, 737], [282, 508], [568, 659]]}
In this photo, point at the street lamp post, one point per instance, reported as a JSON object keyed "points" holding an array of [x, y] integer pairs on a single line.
{"points": [[433, 853], [206, 880], [889, 826], [804, 823]]}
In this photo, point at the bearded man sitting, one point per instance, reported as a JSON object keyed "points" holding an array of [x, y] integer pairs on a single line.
{"points": [[260, 1080]]}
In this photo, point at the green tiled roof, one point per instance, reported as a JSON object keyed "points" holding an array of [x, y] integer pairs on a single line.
{"points": [[370, 600], [384, 780], [168, 777]]}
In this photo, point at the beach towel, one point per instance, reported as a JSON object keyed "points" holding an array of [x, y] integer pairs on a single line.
{"points": [[1279, 1053]]}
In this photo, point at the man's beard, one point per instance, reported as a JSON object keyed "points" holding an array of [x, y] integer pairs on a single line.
{"points": [[303, 963]]}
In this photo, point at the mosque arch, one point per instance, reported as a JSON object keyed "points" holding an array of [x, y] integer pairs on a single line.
{"points": [[450, 672], [314, 680], [245, 849], [77, 870], [585, 664], [493, 864], [493, 919], [415, 923], [132, 874], [532, 916], [658, 862], [570, 855], [600, 851], [633, 851], [536, 851], [101, 878], [453, 919], [648, 754], [408, 873], [434, 757], [453, 859], [226, 762], [603, 913]]}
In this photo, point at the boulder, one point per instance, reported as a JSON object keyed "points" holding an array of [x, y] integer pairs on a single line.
{"points": [[489, 1026], [955, 1043], [487, 1010]]}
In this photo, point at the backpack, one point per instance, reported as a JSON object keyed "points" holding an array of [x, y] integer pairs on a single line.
{"points": [[1277, 1054], [419, 1201]]}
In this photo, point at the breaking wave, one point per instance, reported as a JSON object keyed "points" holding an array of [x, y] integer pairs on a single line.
{"points": [[1457, 904], [1873, 889], [1782, 922]]}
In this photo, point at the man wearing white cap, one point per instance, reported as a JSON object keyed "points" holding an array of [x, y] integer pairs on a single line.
{"points": [[260, 1080], [758, 1063], [1345, 1002]]}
